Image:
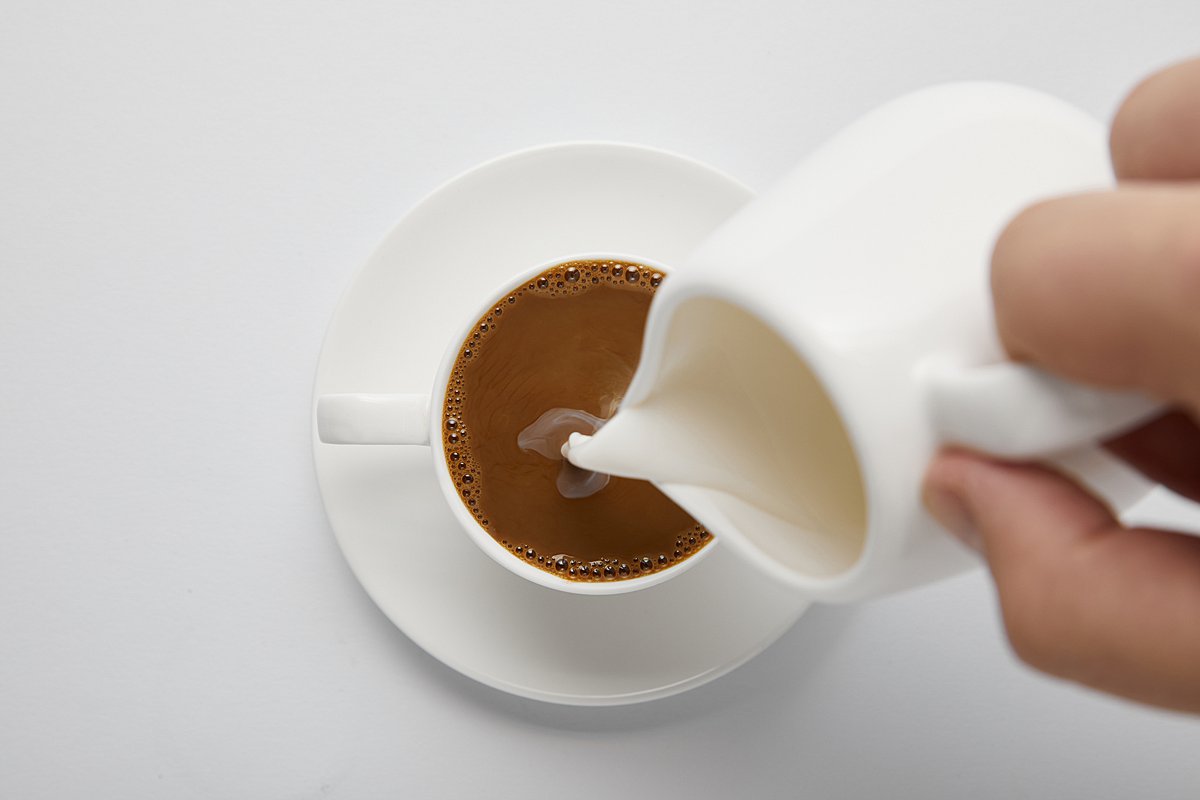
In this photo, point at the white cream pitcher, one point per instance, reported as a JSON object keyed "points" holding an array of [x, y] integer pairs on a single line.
{"points": [[800, 369]]}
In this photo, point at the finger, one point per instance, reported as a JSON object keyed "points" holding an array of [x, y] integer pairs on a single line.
{"points": [[1166, 450], [1105, 289], [1156, 133], [1082, 597]]}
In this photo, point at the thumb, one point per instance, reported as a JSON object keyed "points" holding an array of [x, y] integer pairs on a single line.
{"points": [[1082, 597], [1005, 511]]}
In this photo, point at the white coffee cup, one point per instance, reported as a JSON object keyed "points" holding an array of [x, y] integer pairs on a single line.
{"points": [[416, 419]]}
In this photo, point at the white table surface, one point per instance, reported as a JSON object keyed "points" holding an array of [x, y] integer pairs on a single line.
{"points": [[184, 191]]}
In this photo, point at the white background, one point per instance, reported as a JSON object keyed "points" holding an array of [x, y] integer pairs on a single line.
{"points": [[185, 189]]}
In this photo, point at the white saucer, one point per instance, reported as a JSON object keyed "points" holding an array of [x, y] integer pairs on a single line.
{"points": [[389, 516]]}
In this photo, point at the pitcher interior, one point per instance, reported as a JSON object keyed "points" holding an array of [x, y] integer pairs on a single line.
{"points": [[737, 411]]}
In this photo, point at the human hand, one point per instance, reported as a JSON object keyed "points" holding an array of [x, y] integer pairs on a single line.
{"points": [[1104, 289]]}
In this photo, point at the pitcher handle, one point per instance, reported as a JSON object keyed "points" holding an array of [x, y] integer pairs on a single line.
{"points": [[1019, 412]]}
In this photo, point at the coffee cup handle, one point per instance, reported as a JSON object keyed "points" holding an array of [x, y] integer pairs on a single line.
{"points": [[373, 418], [1021, 413]]}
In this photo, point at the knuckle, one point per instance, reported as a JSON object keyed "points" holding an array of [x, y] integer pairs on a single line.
{"points": [[1184, 298], [1025, 233], [1018, 261], [1007, 255], [1027, 633], [1129, 128], [1035, 614], [1184, 256], [1142, 140], [1018, 228]]}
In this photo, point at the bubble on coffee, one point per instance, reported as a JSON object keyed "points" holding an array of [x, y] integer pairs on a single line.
{"points": [[552, 358]]}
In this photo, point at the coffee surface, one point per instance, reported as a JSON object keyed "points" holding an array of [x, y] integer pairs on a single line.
{"points": [[570, 338]]}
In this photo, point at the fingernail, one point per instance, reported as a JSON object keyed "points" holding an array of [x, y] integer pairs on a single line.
{"points": [[953, 515]]}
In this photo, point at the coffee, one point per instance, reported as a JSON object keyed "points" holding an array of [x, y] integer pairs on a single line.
{"points": [[570, 338]]}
